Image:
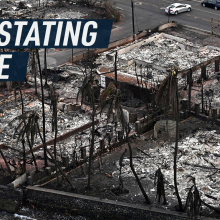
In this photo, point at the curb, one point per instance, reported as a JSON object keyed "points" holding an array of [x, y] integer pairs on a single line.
{"points": [[198, 29]]}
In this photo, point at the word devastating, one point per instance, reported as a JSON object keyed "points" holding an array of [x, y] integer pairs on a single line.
{"points": [[55, 33]]}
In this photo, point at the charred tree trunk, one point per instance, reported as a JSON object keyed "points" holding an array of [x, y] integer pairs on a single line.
{"points": [[60, 169], [116, 80], [24, 155], [22, 103], [45, 66], [133, 170], [35, 73], [190, 88], [176, 150], [92, 141], [32, 153], [43, 111]]}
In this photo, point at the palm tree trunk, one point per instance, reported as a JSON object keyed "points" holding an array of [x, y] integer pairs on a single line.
{"points": [[176, 149], [60, 169], [34, 72], [190, 88], [72, 186], [32, 153], [55, 142], [24, 155], [22, 103], [43, 111], [116, 80], [45, 65], [92, 141], [133, 170]]}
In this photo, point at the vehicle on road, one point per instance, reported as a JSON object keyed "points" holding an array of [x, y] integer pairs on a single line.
{"points": [[211, 4], [177, 8]]}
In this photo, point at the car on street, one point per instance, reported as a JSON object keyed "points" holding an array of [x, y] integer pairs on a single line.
{"points": [[211, 4], [177, 8]]}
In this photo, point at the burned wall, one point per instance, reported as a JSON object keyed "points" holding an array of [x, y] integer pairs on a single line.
{"points": [[144, 94]]}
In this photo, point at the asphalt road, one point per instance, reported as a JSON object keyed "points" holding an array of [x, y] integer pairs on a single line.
{"points": [[149, 14]]}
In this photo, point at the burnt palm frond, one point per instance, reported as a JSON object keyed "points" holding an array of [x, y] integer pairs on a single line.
{"points": [[112, 96], [159, 181], [166, 92], [27, 123], [86, 90], [161, 91], [21, 117], [193, 202], [22, 103], [28, 127]]}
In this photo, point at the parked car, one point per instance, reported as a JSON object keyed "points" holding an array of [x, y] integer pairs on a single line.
{"points": [[177, 8], [211, 4]]}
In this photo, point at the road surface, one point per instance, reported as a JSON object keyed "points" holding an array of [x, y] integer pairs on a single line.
{"points": [[147, 14]]}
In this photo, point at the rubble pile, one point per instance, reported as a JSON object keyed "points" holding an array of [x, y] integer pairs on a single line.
{"points": [[67, 81], [196, 76], [156, 57], [167, 53], [198, 157], [66, 15], [31, 9], [211, 95], [65, 121]]}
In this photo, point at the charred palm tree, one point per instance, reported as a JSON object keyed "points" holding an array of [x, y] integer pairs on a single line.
{"points": [[45, 66], [132, 166], [159, 181], [24, 156], [88, 98], [112, 96], [34, 72], [54, 97], [168, 95], [56, 164], [43, 111], [193, 202], [22, 103], [27, 127]]}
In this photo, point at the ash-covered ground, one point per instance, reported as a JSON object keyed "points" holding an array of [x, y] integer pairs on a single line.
{"points": [[198, 157]]}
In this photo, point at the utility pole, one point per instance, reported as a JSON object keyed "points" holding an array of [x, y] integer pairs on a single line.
{"points": [[132, 7]]}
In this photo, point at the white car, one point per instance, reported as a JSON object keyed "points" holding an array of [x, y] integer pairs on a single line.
{"points": [[177, 8]]}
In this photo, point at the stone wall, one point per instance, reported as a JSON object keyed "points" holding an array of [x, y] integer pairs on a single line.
{"points": [[95, 207]]}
